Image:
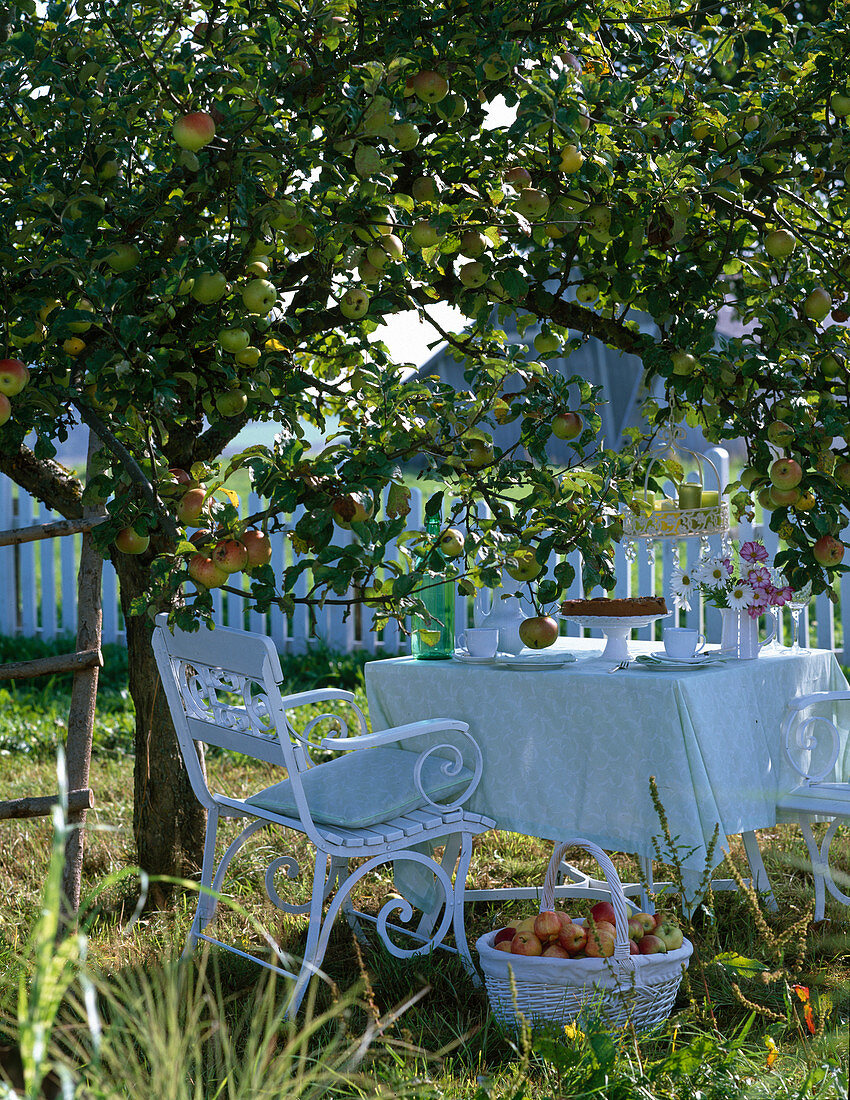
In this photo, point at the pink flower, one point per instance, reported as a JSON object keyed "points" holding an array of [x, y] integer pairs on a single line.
{"points": [[753, 551], [758, 575], [727, 562]]}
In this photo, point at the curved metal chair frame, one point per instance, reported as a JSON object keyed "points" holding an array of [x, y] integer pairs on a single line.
{"points": [[224, 688]]}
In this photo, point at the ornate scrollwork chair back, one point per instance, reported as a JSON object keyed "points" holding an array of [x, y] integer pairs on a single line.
{"points": [[391, 797]]}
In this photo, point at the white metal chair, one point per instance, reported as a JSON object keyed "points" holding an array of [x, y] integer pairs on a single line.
{"points": [[823, 793], [388, 800]]}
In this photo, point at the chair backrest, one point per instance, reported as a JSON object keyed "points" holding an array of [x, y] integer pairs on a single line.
{"points": [[223, 688], [812, 741]]}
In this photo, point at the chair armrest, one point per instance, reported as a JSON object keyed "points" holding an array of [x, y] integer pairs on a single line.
{"points": [[395, 733], [319, 695], [451, 764], [803, 701], [324, 695]]}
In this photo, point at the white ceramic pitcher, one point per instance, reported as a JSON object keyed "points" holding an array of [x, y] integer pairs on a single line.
{"points": [[740, 634], [490, 610]]}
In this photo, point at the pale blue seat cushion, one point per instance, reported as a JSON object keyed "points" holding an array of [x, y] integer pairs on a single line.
{"points": [[364, 787]]}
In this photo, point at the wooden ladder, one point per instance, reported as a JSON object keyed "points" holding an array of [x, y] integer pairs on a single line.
{"points": [[85, 663]]}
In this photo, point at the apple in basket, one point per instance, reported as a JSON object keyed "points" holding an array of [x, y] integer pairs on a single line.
{"points": [[647, 921], [671, 935], [547, 927], [604, 911], [600, 942], [526, 943], [637, 930], [573, 938], [652, 945], [503, 938], [555, 951]]}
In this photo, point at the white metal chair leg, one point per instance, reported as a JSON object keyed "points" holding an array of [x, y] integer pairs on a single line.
{"points": [[819, 872], [207, 902], [457, 903], [761, 879], [451, 851], [314, 949]]}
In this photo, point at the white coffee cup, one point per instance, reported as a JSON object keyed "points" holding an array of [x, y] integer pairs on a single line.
{"points": [[479, 641], [682, 641]]}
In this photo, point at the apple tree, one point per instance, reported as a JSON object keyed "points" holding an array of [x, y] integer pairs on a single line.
{"points": [[209, 209]]}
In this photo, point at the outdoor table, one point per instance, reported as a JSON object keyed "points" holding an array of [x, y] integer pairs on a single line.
{"points": [[570, 751]]}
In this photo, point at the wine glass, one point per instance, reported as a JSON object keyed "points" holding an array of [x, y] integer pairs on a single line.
{"points": [[775, 647], [797, 605]]}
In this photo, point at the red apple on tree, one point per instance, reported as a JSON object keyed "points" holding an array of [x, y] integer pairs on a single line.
{"points": [[538, 632], [828, 551], [567, 425], [230, 555], [194, 131], [258, 546], [204, 571], [129, 541], [191, 507], [13, 376]]}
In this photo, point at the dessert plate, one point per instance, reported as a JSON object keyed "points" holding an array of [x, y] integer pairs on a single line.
{"points": [[534, 662]]}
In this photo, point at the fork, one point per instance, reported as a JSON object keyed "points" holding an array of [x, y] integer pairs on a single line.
{"points": [[622, 665]]}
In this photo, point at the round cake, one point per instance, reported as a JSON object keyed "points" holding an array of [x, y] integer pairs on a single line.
{"points": [[616, 608]]}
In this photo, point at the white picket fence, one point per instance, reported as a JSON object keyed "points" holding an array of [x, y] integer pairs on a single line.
{"points": [[40, 584]]}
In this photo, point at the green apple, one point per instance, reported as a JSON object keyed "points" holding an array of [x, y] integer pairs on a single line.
{"points": [[424, 235], [518, 177], [424, 189], [818, 304], [785, 473], [840, 105], [479, 453], [430, 86], [532, 203], [472, 274], [546, 342], [472, 244], [231, 403], [523, 565], [571, 159], [301, 238], [248, 356], [452, 107], [780, 244], [832, 365], [208, 287], [367, 161], [684, 363], [81, 326], [123, 257], [780, 434], [404, 136], [233, 339], [129, 541], [451, 542], [538, 632], [587, 293], [259, 296], [567, 425], [354, 304]]}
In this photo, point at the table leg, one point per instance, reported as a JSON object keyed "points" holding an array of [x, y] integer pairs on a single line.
{"points": [[761, 883]]}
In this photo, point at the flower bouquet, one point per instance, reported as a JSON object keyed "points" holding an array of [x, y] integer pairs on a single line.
{"points": [[747, 584]]}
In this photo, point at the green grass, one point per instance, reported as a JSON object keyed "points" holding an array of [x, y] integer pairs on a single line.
{"points": [[445, 1044]]}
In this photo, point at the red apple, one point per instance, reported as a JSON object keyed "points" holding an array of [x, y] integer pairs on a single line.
{"points": [[828, 551], [786, 473], [194, 131], [600, 944], [13, 376], [205, 572], [633, 948], [129, 541], [259, 548], [782, 498], [230, 555], [652, 945], [520, 178], [555, 951], [526, 943], [647, 920], [563, 918], [538, 632], [604, 926], [5, 408], [573, 938], [547, 927], [636, 929], [191, 507], [567, 425], [504, 935], [671, 935], [604, 911], [503, 945]]}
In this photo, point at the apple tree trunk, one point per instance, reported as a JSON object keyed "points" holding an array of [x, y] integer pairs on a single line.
{"points": [[168, 820]]}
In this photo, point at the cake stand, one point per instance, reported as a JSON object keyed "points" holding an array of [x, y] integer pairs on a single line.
{"points": [[616, 629]]}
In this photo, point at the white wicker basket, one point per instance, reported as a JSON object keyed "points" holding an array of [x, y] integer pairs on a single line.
{"points": [[636, 990]]}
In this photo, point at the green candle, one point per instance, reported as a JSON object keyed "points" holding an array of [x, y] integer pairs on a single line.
{"points": [[710, 498], [690, 494]]}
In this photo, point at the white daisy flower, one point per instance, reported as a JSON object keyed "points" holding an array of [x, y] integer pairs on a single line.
{"points": [[683, 585], [740, 595], [711, 572]]}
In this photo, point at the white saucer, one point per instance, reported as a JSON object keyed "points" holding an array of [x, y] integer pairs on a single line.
{"points": [[662, 655], [468, 659]]}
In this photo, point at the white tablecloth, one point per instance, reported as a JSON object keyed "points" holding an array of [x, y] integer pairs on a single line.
{"points": [[570, 751]]}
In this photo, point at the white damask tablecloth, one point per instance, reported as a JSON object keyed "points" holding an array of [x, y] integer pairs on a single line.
{"points": [[570, 751]]}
